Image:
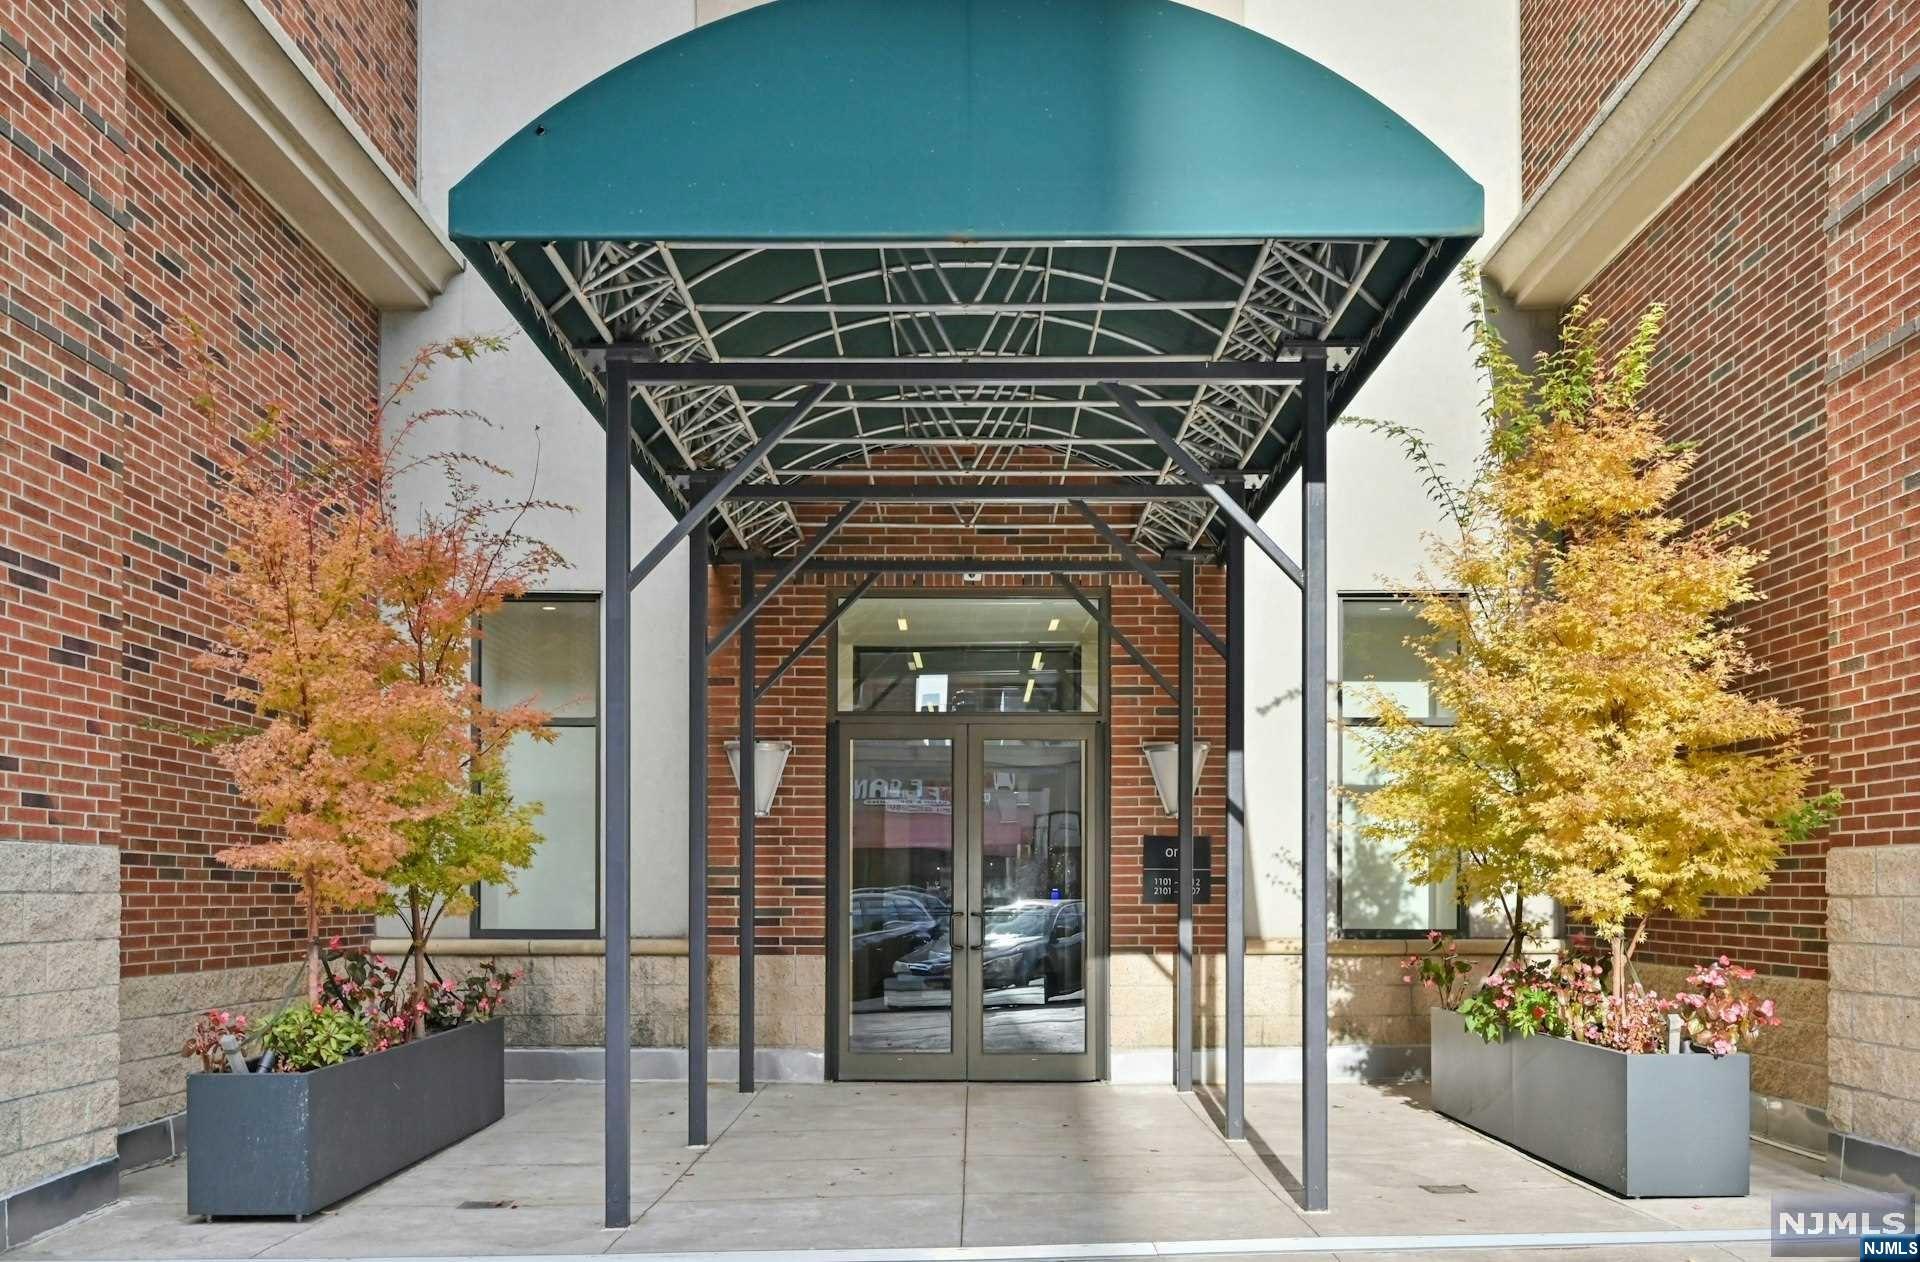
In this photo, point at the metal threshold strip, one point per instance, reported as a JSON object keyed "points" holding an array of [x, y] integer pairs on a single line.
{"points": [[1281, 1246]]}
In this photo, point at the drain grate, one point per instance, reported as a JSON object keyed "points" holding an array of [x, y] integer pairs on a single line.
{"points": [[488, 1205], [1448, 1189]]}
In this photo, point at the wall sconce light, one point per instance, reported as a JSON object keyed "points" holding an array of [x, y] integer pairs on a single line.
{"points": [[769, 764], [1163, 759]]}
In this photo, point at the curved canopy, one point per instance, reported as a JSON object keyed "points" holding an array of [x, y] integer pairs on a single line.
{"points": [[887, 179]]}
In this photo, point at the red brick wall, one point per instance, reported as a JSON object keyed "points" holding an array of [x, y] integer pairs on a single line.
{"points": [[790, 845], [114, 219], [1872, 291], [1739, 261], [63, 342], [367, 51], [1572, 54], [206, 249]]}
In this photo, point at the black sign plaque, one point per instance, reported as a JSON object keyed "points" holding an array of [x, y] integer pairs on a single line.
{"points": [[1160, 870]]}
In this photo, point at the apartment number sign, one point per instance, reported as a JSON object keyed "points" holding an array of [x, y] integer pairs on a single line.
{"points": [[1160, 870]]}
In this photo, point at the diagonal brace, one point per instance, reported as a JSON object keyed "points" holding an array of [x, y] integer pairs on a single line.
{"points": [[813, 638], [1200, 476], [1153, 580], [779, 580], [1119, 636], [697, 515]]}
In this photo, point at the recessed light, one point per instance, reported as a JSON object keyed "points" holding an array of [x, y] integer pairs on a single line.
{"points": [[1054, 625], [901, 622], [1028, 699], [1037, 655], [917, 665], [549, 608]]}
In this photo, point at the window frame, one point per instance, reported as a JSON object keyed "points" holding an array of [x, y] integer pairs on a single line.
{"points": [[1345, 600], [475, 929]]}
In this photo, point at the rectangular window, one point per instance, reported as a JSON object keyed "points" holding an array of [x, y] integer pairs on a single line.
{"points": [[1375, 896], [910, 654], [546, 649]]}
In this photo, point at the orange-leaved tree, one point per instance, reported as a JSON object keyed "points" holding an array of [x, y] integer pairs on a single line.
{"points": [[1603, 750], [352, 745], [446, 570]]}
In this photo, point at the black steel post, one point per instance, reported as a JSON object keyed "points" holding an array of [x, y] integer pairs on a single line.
{"points": [[748, 758], [1313, 721], [1183, 966], [1236, 895], [616, 791], [697, 548]]}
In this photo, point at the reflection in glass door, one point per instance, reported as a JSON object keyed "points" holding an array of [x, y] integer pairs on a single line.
{"points": [[904, 875], [966, 926], [1031, 881]]}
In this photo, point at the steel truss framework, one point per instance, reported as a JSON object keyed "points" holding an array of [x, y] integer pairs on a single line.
{"points": [[1081, 303], [1178, 476]]}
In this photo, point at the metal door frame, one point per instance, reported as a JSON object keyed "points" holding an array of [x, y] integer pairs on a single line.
{"points": [[1081, 1066], [968, 1060]]}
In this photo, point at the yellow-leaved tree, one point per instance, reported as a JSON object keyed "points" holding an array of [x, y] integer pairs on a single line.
{"points": [[1602, 750]]}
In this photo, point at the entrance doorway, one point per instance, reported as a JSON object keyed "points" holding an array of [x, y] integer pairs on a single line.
{"points": [[970, 898]]}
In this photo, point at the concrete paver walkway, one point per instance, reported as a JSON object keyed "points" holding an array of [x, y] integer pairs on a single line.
{"points": [[924, 1165]]}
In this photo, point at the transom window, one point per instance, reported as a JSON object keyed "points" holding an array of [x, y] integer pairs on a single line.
{"points": [[910, 654]]}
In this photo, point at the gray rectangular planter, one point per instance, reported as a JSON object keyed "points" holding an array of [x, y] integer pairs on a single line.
{"points": [[1647, 1125], [293, 1144]]}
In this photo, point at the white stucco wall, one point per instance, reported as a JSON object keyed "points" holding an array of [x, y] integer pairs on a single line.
{"points": [[486, 66], [1452, 70]]}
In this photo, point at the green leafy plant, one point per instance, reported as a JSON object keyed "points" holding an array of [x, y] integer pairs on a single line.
{"points": [[395, 1010], [313, 1036], [207, 1035], [1570, 996], [1440, 970]]}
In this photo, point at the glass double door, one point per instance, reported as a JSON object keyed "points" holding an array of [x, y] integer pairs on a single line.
{"points": [[969, 900]]}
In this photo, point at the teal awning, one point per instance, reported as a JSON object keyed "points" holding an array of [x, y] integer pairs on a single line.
{"points": [[1114, 179]]}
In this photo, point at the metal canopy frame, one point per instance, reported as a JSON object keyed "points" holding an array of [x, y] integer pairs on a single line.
{"points": [[970, 358], [1184, 482]]}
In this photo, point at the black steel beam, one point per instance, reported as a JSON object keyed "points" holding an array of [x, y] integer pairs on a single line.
{"points": [[840, 606], [1187, 615], [956, 371], [748, 768], [1314, 788], [759, 599], [948, 493], [616, 797], [1119, 637], [697, 515], [1041, 565], [1203, 480]]}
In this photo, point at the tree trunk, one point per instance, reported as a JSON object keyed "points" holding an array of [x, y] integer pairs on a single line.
{"points": [[1619, 979], [313, 945], [417, 927]]}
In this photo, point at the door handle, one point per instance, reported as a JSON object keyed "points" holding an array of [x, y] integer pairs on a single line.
{"points": [[958, 934]]}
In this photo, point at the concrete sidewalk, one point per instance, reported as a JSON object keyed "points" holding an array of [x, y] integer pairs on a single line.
{"points": [[1136, 1171]]}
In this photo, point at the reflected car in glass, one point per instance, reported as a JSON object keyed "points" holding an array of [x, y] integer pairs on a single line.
{"points": [[1027, 941], [887, 924]]}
